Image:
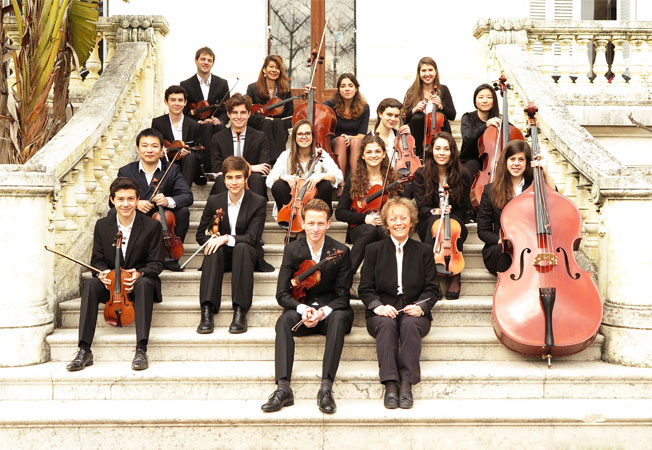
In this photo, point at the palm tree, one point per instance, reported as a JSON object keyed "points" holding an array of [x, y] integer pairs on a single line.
{"points": [[52, 35]]}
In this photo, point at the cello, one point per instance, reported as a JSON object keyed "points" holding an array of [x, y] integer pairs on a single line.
{"points": [[448, 258], [322, 117], [291, 213], [544, 304], [491, 145]]}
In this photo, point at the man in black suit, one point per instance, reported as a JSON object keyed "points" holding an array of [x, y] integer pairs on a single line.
{"points": [[173, 195], [176, 126], [141, 257], [206, 86], [241, 140], [326, 308], [234, 248]]}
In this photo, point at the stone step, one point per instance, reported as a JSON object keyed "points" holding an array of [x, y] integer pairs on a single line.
{"points": [[265, 311], [257, 344], [206, 424], [356, 380]]}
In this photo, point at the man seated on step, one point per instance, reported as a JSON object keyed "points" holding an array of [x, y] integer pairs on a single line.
{"points": [[241, 140], [324, 310], [174, 194], [142, 259], [176, 126], [236, 247]]}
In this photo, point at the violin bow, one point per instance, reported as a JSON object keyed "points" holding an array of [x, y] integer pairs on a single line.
{"points": [[321, 42], [415, 304]]}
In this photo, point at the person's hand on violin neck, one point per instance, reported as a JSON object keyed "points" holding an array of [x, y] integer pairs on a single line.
{"points": [[144, 206], [261, 168], [160, 200], [214, 243], [131, 280]]}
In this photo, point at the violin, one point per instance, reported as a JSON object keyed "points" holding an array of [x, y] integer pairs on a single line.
{"points": [[432, 127], [274, 106], [491, 145], [202, 109], [290, 214], [174, 147], [376, 197], [308, 276], [322, 117], [171, 242], [544, 304], [448, 258], [119, 310], [406, 159]]}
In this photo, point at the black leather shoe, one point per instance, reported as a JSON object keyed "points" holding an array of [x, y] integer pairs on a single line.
{"points": [[391, 400], [173, 265], [405, 400], [82, 359], [278, 400], [206, 323], [140, 360], [325, 401], [239, 322]]}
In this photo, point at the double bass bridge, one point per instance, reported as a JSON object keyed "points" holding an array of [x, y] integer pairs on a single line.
{"points": [[545, 259]]}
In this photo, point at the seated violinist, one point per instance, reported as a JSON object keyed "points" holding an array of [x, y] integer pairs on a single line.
{"points": [[240, 140], [398, 308], [176, 126], [273, 83], [233, 248], [142, 251], [513, 176], [442, 167], [294, 164], [324, 310], [474, 124], [173, 195], [372, 169]]}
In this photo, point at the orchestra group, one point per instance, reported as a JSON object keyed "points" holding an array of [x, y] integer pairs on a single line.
{"points": [[213, 134]]}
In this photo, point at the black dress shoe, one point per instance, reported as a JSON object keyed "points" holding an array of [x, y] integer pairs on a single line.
{"points": [[140, 360], [405, 400], [391, 400], [201, 180], [325, 401], [173, 265], [239, 322], [82, 359], [206, 323], [278, 400]]}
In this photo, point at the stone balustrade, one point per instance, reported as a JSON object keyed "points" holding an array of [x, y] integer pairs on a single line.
{"points": [[579, 52], [56, 197]]}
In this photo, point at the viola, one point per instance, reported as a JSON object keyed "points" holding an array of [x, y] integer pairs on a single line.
{"points": [[274, 106], [491, 145], [174, 147], [308, 276], [376, 197], [432, 127], [406, 159], [448, 258], [171, 242], [544, 304], [290, 214]]}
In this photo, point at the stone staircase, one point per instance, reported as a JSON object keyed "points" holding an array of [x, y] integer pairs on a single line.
{"points": [[205, 391]]}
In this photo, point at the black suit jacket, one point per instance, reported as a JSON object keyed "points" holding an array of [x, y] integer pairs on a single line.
{"points": [[379, 277], [218, 93], [189, 131], [255, 149], [144, 248], [488, 217], [249, 224], [336, 276], [173, 186]]}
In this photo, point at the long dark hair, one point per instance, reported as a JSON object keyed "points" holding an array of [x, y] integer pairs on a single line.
{"points": [[360, 179], [383, 105], [357, 103], [495, 110], [453, 170], [415, 92], [283, 82], [293, 159], [502, 190]]}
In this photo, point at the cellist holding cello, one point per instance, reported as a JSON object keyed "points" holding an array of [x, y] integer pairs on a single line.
{"points": [[142, 259]]}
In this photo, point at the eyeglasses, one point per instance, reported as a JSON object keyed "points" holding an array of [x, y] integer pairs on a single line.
{"points": [[304, 135]]}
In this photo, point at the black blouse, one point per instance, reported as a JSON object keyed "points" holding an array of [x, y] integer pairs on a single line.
{"points": [[351, 127], [472, 128], [446, 101], [459, 206]]}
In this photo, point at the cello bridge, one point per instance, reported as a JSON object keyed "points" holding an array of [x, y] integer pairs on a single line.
{"points": [[545, 260]]}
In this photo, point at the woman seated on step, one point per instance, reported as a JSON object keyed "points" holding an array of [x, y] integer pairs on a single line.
{"points": [[513, 176], [294, 164], [372, 170], [399, 287], [442, 167]]}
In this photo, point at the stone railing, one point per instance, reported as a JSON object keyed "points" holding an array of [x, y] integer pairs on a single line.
{"points": [[56, 197], [589, 51], [608, 193]]}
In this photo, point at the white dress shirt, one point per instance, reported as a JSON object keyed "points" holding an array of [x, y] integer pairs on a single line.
{"points": [[519, 189], [177, 132], [316, 257], [149, 176], [126, 233], [204, 85], [399, 264], [233, 209], [235, 142]]}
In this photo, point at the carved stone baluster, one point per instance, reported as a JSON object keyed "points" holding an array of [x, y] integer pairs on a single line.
{"points": [[90, 181], [600, 66], [547, 64], [618, 65], [646, 72], [583, 58], [93, 65], [591, 220], [69, 208], [637, 60], [81, 196], [565, 59]]}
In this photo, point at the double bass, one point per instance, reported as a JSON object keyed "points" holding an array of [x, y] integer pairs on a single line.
{"points": [[491, 145], [544, 304]]}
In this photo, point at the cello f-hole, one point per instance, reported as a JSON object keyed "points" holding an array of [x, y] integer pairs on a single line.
{"points": [[568, 271], [521, 265]]}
